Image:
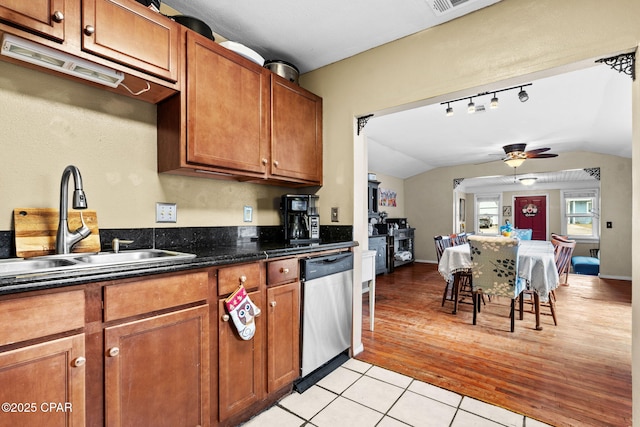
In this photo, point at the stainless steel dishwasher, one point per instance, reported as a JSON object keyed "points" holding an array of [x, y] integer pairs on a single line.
{"points": [[327, 288]]}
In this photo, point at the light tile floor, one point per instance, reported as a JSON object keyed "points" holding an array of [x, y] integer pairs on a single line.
{"points": [[360, 395]]}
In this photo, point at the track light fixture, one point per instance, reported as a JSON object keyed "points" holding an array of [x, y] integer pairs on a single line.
{"points": [[449, 110], [494, 102], [523, 96]]}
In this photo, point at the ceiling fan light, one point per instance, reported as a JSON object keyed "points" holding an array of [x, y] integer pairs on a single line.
{"points": [[515, 162], [523, 96], [494, 102], [528, 180]]}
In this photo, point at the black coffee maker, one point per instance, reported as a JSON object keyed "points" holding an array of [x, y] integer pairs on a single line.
{"points": [[300, 218]]}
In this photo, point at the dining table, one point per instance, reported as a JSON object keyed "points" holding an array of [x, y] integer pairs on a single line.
{"points": [[536, 269]]}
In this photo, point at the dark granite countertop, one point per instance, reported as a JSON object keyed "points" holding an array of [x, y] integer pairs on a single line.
{"points": [[206, 256]]}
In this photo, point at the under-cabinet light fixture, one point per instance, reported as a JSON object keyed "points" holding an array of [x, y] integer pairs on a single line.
{"points": [[34, 53]]}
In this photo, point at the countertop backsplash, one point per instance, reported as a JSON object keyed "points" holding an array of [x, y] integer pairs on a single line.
{"points": [[184, 238]]}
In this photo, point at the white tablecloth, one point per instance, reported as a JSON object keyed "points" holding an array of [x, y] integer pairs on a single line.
{"points": [[536, 265]]}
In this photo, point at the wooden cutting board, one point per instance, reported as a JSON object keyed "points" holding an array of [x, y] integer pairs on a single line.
{"points": [[36, 231]]}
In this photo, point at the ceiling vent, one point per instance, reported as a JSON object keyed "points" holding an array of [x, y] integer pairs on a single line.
{"points": [[442, 7]]}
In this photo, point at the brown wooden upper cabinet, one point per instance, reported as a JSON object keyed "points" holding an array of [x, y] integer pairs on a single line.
{"points": [[227, 107], [119, 34], [45, 17], [125, 33], [296, 132], [236, 120]]}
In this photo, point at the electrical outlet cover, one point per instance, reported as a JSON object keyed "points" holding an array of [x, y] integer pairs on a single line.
{"points": [[166, 212]]}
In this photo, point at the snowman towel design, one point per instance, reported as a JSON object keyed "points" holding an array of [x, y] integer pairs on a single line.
{"points": [[243, 311]]}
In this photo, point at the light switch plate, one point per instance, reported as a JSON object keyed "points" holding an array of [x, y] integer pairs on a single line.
{"points": [[248, 214], [334, 214], [166, 212]]}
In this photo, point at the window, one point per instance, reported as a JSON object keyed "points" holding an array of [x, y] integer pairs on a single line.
{"points": [[580, 213], [487, 213]]}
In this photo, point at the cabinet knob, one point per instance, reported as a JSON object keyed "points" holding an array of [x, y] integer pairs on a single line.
{"points": [[79, 361], [265, 161], [114, 351], [89, 30], [58, 16], [273, 304], [225, 317], [284, 270], [275, 163], [243, 279]]}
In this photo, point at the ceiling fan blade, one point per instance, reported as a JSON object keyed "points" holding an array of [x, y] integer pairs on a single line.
{"points": [[538, 150], [541, 156]]}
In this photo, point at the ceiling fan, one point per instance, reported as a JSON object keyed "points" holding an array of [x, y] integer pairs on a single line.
{"points": [[516, 154]]}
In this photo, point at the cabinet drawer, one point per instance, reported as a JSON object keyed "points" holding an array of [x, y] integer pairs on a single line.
{"points": [[144, 296], [229, 278], [282, 271], [38, 316]]}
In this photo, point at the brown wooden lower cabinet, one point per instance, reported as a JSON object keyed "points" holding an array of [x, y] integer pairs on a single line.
{"points": [[44, 384], [155, 354], [240, 363], [157, 370], [283, 337]]}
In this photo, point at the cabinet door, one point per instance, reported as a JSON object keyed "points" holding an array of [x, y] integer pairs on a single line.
{"points": [[157, 370], [241, 363], [283, 336], [296, 132], [132, 35], [227, 108], [379, 245], [44, 384], [45, 17]]}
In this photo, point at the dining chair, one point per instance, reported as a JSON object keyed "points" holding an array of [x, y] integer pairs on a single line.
{"points": [[522, 233], [443, 242], [459, 239], [494, 269], [563, 249]]}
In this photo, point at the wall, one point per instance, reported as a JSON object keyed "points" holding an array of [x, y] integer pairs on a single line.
{"points": [[388, 182], [432, 218], [49, 123], [554, 221]]}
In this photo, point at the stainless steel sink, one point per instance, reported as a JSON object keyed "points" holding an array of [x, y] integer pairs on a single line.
{"points": [[55, 263], [135, 256], [13, 266]]}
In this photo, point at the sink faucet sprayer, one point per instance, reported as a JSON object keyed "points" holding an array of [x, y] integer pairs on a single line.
{"points": [[65, 239]]}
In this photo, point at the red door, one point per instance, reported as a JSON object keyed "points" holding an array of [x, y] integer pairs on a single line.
{"points": [[531, 212]]}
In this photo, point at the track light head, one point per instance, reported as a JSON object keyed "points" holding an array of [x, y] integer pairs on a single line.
{"points": [[471, 107], [523, 96], [449, 110], [494, 102]]}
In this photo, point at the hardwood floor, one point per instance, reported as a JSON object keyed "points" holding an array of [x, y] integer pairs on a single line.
{"points": [[575, 374]]}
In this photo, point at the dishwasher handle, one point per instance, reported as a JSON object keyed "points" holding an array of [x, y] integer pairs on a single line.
{"points": [[326, 265]]}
